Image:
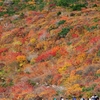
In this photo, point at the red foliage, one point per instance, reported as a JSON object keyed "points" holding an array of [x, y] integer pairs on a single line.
{"points": [[23, 40], [56, 78], [80, 48], [21, 89], [52, 5], [88, 61], [47, 54], [3, 50], [2, 89], [64, 51], [29, 20], [75, 35], [1, 9], [35, 13], [95, 39], [10, 56], [1, 29], [20, 32]]}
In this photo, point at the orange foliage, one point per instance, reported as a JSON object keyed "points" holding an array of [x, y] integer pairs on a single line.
{"points": [[21, 59], [30, 34], [98, 71], [74, 90], [48, 92], [64, 18]]}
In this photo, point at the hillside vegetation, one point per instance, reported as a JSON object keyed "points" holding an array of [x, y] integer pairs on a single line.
{"points": [[49, 48]]}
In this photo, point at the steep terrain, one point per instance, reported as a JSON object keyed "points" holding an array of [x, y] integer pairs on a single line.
{"points": [[49, 51]]}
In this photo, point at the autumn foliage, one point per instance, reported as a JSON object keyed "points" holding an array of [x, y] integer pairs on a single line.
{"points": [[48, 49]]}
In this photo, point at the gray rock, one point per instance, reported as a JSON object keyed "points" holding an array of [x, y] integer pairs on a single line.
{"points": [[31, 56], [1, 19], [8, 2], [15, 17]]}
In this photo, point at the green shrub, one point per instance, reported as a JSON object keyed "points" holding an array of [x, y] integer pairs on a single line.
{"points": [[10, 11], [16, 1], [77, 6], [41, 6], [89, 88], [98, 53], [58, 13], [65, 3], [90, 28], [31, 7], [61, 22], [1, 3], [64, 32], [94, 5], [96, 19]]}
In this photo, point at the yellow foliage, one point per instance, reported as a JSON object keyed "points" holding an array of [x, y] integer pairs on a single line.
{"points": [[72, 79], [74, 89], [68, 64], [98, 71], [31, 2], [28, 96], [21, 60], [88, 94], [17, 43], [32, 61], [62, 69], [81, 57], [96, 60], [32, 40]]}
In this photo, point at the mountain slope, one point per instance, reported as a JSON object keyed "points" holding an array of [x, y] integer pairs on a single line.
{"points": [[50, 53]]}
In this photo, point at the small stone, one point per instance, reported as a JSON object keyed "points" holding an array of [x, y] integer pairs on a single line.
{"points": [[8, 2], [1, 19], [15, 17]]}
